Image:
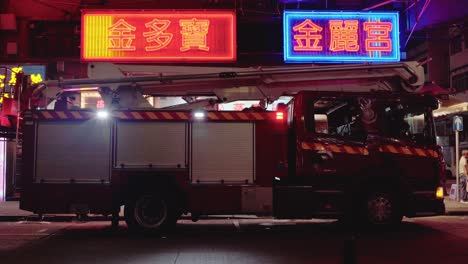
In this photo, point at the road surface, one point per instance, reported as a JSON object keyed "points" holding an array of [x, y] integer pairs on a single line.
{"points": [[442, 239]]}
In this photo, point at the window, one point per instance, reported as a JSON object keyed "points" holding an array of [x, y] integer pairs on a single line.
{"points": [[357, 117], [460, 82], [405, 121], [456, 45], [338, 117]]}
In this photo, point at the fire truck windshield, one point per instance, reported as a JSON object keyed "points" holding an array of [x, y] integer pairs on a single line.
{"points": [[406, 121], [357, 117]]}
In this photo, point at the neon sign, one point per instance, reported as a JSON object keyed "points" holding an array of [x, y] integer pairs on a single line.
{"points": [[35, 72], [158, 36], [340, 37]]}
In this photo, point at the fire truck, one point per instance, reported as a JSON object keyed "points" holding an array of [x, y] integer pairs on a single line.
{"points": [[356, 142]]}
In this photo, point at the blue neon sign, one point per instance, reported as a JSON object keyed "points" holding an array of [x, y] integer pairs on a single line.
{"points": [[340, 36]]}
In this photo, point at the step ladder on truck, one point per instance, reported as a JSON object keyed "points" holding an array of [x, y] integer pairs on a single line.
{"points": [[356, 142]]}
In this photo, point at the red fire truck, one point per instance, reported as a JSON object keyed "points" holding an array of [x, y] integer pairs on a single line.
{"points": [[356, 142]]}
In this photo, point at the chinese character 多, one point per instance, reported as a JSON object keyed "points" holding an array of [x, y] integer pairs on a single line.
{"points": [[121, 36], [157, 34], [344, 37], [309, 36], [194, 32], [378, 36]]}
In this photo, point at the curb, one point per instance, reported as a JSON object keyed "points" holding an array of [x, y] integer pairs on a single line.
{"points": [[457, 213], [51, 218], [72, 218]]}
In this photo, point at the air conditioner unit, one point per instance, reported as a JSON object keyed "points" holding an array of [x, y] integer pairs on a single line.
{"points": [[7, 22]]}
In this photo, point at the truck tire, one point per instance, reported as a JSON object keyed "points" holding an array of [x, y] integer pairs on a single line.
{"points": [[150, 213], [382, 209]]}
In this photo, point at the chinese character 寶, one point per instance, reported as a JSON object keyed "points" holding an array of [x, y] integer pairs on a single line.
{"points": [[194, 34]]}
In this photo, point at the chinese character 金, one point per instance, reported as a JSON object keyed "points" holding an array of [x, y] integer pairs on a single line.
{"points": [[121, 36], [308, 39]]}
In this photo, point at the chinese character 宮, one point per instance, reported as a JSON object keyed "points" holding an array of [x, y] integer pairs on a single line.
{"points": [[194, 32], [378, 36], [344, 37], [121, 36], [308, 37], [157, 34]]}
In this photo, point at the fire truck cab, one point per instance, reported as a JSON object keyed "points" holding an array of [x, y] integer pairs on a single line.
{"points": [[371, 156], [360, 147]]}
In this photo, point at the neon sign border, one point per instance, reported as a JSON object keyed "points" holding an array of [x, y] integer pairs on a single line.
{"points": [[229, 14], [291, 58]]}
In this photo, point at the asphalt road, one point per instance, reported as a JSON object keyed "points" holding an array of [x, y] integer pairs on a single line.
{"points": [[442, 239]]}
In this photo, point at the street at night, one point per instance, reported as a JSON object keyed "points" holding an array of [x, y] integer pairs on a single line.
{"points": [[439, 239], [234, 131]]}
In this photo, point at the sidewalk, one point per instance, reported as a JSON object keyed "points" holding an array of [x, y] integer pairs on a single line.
{"points": [[453, 207], [10, 212]]}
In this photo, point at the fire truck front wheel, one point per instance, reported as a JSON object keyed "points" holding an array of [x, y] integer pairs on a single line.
{"points": [[382, 209], [150, 213]]}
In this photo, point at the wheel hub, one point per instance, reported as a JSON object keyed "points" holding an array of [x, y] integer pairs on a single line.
{"points": [[380, 210], [150, 212]]}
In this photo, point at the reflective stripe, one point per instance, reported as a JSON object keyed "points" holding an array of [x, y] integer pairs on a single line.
{"points": [[157, 115], [122, 115], [136, 115], [61, 115], [76, 115], [212, 116], [334, 148], [242, 116], [257, 116], [152, 116], [166, 115], [182, 115], [350, 150], [227, 116], [47, 115], [409, 151]]}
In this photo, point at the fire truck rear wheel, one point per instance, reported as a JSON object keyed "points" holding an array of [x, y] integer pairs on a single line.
{"points": [[150, 213], [382, 209]]}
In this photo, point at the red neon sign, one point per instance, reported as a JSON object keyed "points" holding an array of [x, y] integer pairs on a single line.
{"points": [[158, 36]]}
